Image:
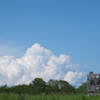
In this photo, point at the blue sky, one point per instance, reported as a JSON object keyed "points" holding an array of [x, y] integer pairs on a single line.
{"points": [[69, 27]]}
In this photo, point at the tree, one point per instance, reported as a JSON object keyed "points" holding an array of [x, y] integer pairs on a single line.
{"points": [[3, 88], [30, 87], [65, 87], [38, 85], [18, 89], [24, 88], [53, 85], [82, 89], [48, 89]]}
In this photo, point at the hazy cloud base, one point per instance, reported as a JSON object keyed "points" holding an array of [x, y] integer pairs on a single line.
{"points": [[38, 62]]}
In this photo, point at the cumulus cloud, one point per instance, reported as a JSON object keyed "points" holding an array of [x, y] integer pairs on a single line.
{"points": [[37, 62], [72, 77]]}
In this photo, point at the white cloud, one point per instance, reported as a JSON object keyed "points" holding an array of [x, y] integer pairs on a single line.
{"points": [[72, 77], [37, 62], [72, 66]]}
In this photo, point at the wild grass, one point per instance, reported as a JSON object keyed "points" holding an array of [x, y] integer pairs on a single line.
{"points": [[12, 96]]}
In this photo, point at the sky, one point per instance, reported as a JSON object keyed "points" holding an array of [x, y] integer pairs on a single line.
{"points": [[51, 39]]}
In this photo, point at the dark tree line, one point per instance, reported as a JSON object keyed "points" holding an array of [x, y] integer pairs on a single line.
{"points": [[38, 86]]}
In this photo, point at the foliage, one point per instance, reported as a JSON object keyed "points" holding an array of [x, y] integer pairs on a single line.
{"points": [[65, 87], [39, 86], [53, 86], [12, 96], [82, 89]]}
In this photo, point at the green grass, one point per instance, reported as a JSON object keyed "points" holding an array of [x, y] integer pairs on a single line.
{"points": [[11, 96]]}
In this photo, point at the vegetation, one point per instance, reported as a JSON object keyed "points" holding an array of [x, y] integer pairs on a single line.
{"points": [[38, 86], [82, 89], [12, 96], [38, 89]]}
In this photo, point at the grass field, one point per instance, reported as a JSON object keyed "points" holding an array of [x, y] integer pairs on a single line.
{"points": [[11, 96]]}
